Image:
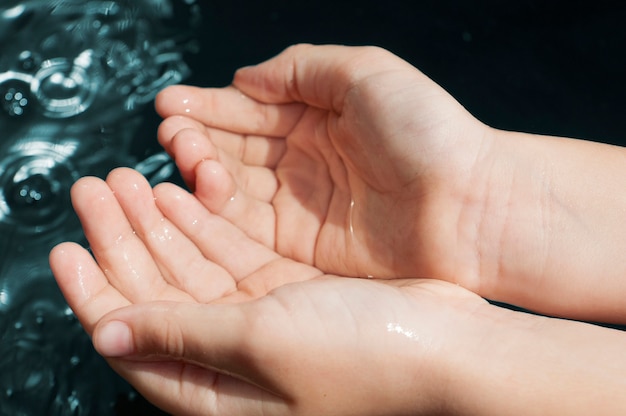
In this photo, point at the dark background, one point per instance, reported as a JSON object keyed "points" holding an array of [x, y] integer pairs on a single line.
{"points": [[553, 67], [544, 66]]}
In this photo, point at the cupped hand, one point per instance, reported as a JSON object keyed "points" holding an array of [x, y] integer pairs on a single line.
{"points": [[202, 319], [347, 159]]}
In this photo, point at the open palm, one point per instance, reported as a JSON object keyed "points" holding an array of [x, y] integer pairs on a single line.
{"points": [[332, 162], [220, 324]]}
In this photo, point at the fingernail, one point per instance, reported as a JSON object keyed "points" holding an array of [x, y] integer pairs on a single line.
{"points": [[114, 339]]}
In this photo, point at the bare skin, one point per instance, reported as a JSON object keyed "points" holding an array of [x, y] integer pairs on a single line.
{"points": [[265, 321], [354, 162], [203, 320]]}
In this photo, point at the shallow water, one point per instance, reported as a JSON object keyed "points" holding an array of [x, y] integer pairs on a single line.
{"points": [[75, 76]]}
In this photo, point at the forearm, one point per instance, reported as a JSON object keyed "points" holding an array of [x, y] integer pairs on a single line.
{"points": [[528, 365], [564, 236]]}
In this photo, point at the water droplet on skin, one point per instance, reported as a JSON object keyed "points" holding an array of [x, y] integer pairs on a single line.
{"points": [[185, 103], [162, 237], [351, 226], [399, 329]]}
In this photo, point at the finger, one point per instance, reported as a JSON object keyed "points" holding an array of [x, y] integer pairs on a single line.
{"points": [[178, 259], [319, 76], [121, 255], [190, 147], [250, 149], [219, 240], [230, 110], [242, 252], [84, 285], [218, 192], [191, 332], [179, 347], [169, 127], [187, 389]]}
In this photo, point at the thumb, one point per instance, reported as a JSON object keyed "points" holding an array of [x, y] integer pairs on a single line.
{"points": [[319, 76], [152, 344], [211, 336]]}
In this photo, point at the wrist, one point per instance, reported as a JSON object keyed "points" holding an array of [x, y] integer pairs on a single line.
{"points": [[554, 222], [517, 363]]}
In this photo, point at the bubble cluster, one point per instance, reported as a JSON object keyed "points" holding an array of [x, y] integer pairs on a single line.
{"points": [[34, 332], [74, 77]]}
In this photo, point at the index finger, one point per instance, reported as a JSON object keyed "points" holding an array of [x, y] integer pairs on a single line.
{"points": [[84, 285], [229, 109]]}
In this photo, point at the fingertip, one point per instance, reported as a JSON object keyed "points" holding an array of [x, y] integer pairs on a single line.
{"points": [[214, 184], [192, 144], [249, 70], [121, 172], [188, 147], [246, 68], [166, 131], [267, 81], [162, 96], [60, 252], [210, 167], [243, 73], [178, 99], [85, 182], [113, 339], [86, 190], [169, 127], [169, 99], [75, 271], [127, 180], [166, 194], [169, 190], [140, 330]]}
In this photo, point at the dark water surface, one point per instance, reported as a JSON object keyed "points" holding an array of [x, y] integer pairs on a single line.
{"points": [[77, 80], [76, 77]]}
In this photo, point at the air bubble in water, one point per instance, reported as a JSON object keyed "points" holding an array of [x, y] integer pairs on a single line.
{"points": [[74, 75]]}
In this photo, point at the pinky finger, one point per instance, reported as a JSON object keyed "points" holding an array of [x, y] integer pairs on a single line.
{"points": [[189, 148], [218, 192], [84, 285]]}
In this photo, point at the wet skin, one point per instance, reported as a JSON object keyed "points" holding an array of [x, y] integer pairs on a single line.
{"points": [[133, 232]]}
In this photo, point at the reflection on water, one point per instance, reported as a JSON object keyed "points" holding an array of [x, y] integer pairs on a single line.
{"points": [[74, 77]]}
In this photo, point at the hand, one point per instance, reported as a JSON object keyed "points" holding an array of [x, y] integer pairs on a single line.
{"points": [[203, 320], [351, 160], [347, 159]]}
